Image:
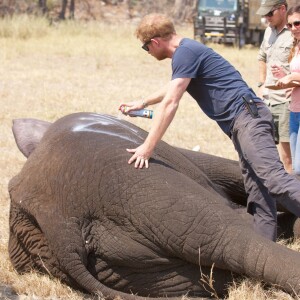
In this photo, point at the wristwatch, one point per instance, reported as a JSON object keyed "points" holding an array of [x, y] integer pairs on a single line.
{"points": [[259, 84]]}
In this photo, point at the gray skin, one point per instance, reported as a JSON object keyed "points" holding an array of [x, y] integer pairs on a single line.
{"points": [[82, 214]]}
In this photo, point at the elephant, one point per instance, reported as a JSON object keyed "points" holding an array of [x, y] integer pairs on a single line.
{"points": [[81, 213]]}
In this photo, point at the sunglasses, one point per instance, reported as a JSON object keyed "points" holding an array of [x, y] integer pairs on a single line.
{"points": [[296, 24], [271, 13], [145, 46]]}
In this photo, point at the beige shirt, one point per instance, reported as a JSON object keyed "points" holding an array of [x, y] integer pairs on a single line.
{"points": [[275, 50]]}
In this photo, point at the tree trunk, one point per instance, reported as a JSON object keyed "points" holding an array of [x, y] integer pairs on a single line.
{"points": [[43, 6], [72, 9], [183, 10], [63, 9]]}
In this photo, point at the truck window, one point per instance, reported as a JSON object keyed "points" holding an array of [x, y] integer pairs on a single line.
{"points": [[217, 4]]}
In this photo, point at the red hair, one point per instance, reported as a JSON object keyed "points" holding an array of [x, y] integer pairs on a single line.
{"points": [[291, 11]]}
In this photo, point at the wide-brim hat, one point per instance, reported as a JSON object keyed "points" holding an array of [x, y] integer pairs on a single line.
{"points": [[268, 5]]}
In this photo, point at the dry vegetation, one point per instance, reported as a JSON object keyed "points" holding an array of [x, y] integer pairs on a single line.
{"points": [[48, 72]]}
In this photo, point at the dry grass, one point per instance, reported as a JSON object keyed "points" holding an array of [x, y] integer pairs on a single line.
{"points": [[48, 72]]}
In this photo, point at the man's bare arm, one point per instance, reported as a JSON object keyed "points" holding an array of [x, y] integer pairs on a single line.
{"points": [[163, 117], [154, 98], [262, 70], [262, 74]]}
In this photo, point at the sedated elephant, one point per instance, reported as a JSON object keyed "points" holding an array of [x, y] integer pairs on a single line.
{"points": [[81, 213]]}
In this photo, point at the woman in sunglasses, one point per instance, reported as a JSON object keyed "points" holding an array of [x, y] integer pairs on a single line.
{"points": [[291, 80]]}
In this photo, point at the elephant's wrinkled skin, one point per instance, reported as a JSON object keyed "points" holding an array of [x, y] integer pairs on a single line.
{"points": [[80, 212]]}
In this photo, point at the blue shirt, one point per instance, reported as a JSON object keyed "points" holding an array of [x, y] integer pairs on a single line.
{"points": [[215, 84]]}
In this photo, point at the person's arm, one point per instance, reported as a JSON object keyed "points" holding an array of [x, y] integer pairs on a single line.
{"points": [[262, 69], [164, 116], [154, 98], [278, 71], [157, 96], [294, 76], [262, 65], [262, 74]]}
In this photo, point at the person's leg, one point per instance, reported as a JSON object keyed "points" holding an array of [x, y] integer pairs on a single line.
{"points": [[283, 113], [257, 147], [285, 155], [275, 118], [297, 144], [293, 136], [260, 204], [282, 186]]}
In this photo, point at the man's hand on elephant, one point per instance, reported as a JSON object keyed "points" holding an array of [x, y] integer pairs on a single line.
{"points": [[141, 156]]}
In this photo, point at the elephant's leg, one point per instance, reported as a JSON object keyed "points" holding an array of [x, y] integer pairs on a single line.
{"points": [[245, 252], [28, 249], [225, 173], [71, 245], [131, 263], [288, 226], [80, 252], [174, 280], [192, 220]]}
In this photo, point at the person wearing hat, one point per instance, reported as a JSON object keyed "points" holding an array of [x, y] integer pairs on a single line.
{"points": [[275, 50]]}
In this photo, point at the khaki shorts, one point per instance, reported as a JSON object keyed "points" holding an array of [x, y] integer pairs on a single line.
{"points": [[281, 118]]}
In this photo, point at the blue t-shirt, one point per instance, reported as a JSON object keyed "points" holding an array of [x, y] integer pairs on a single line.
{"points": [[215, 84]]}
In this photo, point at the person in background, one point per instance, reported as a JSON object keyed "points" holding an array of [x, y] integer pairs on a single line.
{"points": [[274, 50], [293, 23], [224, 96]]}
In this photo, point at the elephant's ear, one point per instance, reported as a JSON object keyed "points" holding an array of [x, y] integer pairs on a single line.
{"points": [[28, 133]]}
